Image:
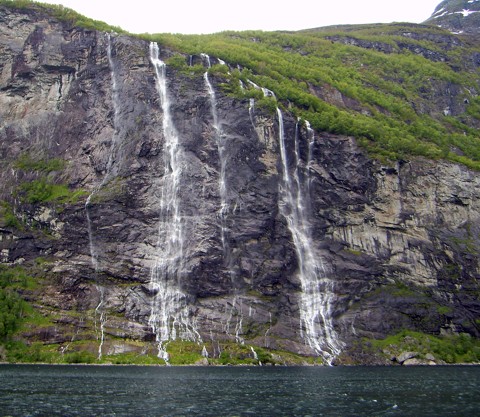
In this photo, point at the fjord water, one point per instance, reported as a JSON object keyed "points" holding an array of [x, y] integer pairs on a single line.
{"points": [[43, 390]]}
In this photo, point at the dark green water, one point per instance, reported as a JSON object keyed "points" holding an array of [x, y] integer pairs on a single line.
{"points": [[35, 390]]}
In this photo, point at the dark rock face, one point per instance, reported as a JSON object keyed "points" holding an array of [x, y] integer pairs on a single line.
{"points": [[400, 244]]}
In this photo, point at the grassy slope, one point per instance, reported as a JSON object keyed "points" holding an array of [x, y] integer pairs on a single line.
{"points": [[391, 96]]}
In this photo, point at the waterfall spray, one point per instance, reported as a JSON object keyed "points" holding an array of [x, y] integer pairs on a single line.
{"points": [[221, 141], [170, 315], [317, 288]]}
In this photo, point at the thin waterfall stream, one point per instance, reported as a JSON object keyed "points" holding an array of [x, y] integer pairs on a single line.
{"points": [[116, 107], [103, 318], [221, 141], [94, 255], [170, 315]]}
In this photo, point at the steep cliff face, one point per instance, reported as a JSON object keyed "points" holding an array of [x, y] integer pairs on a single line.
{"points": [[149, 214]]}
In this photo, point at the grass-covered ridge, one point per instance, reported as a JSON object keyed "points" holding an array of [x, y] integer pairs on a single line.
{"points": [[379, 83], [64, 14]]}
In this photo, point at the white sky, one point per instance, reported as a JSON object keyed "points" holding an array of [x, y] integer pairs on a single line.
{"points": [[209, 16]]}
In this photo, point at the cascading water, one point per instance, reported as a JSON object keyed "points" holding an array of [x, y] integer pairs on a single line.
{"points": [[221, 146], [254, 353], [251, 109], [170, 315], [311, 143], [317, 288], [91, 241], [103, 318], [221, 140]]}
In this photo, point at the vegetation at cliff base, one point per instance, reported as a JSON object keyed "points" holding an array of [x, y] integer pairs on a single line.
{"points": [[450, 349], [12, 306]]}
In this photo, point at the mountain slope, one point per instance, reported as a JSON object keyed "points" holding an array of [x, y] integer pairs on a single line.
{"points": [[410, 89], [238, 197], [458, 16]]}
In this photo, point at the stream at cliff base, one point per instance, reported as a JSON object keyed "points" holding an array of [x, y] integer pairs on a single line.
{"points": [[45, 390]]}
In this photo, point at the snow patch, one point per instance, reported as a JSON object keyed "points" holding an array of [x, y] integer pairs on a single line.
{"points": [[442, 10], [466, 12]]}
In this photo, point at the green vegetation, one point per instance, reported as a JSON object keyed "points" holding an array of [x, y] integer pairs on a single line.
{"points": [[12, 306], [115, 188], [390, 94], [11, 311], [43, 191], [143, 353], [444, 310], [8, 217], [28, 163], [460, 348], [183, 352], [15, 277], [374, 82], [63, 14], [132, 358]]}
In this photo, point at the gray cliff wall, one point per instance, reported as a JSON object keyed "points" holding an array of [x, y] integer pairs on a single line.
{"points": [[399, 243]]}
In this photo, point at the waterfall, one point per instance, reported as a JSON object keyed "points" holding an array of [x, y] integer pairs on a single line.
{"points": [[116, 110], [103, 319], [311, 142], [251, 109], [220, 139], [317, 288], [170, 315], [94, 255], [267, 343], [116, 107], [254, 353], [91, 242], [239, 320]]}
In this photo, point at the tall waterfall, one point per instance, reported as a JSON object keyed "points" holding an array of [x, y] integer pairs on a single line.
{"points": [[170, 315], [317, 288], [235, 306], [220, 139]]}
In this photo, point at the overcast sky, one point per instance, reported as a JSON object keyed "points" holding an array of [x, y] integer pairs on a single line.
{"points": [[209, 16]]}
